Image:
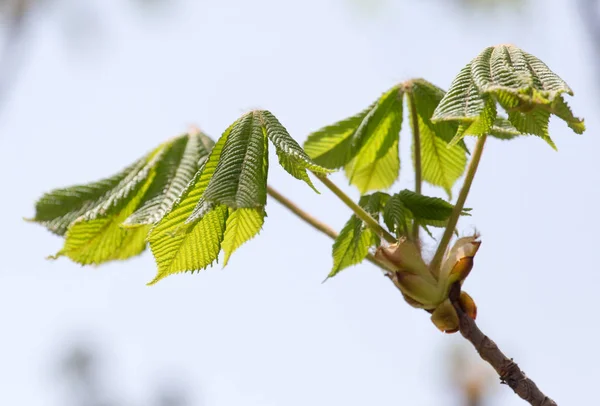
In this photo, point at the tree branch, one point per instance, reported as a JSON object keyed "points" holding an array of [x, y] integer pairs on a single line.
{"points": [[509, 372]]}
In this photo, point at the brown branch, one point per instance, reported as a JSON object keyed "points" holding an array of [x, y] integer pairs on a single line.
{"points": [[509, 372]]}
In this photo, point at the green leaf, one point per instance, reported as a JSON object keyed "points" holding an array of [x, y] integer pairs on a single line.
{"points": [[173, 173], [180, 247], [504, 130], [330, 146], [523, 85], [463, 102], [535, 122], [397, 217], [375, 157], [189, 236], [291, 155], [242, 225], [97, 236], [441, 165], [379, 174], [352, 245], [240, 178], [59, 208], [427, 210]]}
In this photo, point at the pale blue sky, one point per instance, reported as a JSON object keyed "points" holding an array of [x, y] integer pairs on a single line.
{"points": [[265, 331]]}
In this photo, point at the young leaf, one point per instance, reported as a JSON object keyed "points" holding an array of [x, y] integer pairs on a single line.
{"points": [[441, 165], [291, 155], [240, 178], [397, 217], [56, 210], [242, 225], [523, 85], [353, 243], [375, 157], [330, 146], [379, 174], [431, 211], [97, 236], [173, 173], [189, 236]]}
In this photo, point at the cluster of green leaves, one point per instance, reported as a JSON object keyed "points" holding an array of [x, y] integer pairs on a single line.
{"points": [[366, 145], [189, 198], [519, 82], [399, 213]]}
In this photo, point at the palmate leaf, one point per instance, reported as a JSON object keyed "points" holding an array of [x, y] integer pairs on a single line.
{"points": [[352, 244], [223, 206], [179, 245], [91, 217], [522, 84]]}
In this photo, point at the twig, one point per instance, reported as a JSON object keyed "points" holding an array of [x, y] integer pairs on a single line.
{"points": [[509, 372], [359, 211], [317, 224], [458, 207]]}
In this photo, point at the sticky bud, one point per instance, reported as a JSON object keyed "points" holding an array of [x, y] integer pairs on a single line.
{"points": [[403, 256], [468, 305], [418, 289], [445, 317], [459, 261]]}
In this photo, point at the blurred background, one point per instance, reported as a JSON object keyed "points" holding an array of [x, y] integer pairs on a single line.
{"points": [[87, 87]]}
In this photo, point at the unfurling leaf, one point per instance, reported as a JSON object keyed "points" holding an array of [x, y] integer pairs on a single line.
{"points": [[224, 206], [353, 243], [93, 217], [366, 144], [522, 84]]}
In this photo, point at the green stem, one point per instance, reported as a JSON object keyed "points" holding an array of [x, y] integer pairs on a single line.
{"points": [[417, 145], [359, 211], [317, 224], [458, 207]]}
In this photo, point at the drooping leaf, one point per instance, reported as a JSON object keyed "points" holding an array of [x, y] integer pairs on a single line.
{"points": [[522, 84], [188, 247], [504, 130], [173, 173], [97, 236], [240, 178], [375, 157], [242, 225], [57, 209], [291, 155], [188, 238]]}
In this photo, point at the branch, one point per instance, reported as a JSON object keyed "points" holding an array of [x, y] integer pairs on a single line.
{"points": [[509, 372], [317, 224], [507, 369]]}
